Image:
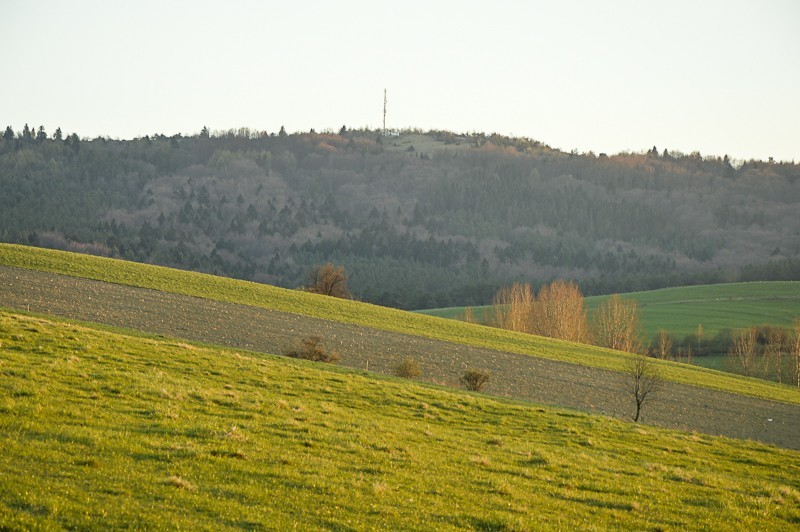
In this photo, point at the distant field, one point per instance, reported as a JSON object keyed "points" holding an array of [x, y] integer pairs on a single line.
{"points": [[350, 312], [107, 430], [715, 307]]}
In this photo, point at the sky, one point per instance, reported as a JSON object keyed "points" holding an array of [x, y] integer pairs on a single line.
{"points": [[718, 77]]}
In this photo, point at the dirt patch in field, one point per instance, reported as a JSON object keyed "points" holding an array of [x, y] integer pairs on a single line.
{"points": [[519, 376]]}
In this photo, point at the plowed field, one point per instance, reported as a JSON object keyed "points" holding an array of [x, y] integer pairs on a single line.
{"points": [[512, 375]]}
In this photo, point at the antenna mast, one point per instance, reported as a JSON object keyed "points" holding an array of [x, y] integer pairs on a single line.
{"points": [[384, 111]]}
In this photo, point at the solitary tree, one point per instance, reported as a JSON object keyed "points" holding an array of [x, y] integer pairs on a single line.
{"points": [[643, 380], [328, 280]]}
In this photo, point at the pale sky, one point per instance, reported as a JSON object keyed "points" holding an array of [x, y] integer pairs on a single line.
{"points": [[719, 77]]}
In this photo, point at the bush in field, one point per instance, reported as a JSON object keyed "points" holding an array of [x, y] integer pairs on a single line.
{"points": [[474, 380], [312, 349], [408, 369]]}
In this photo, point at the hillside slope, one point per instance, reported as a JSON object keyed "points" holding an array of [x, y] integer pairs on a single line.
{"points": [[103, 430], [554, 374], [424, 220]]}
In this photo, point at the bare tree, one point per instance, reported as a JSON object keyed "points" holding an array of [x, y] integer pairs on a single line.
{"points": [[328, 280], [469, 315], [794, 353], [742, 351], [664, 345], [513, 307], [775, 342], [616, 325], [559, 312], [644, 380]]}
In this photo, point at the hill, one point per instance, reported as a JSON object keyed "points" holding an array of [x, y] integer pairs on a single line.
{"points": [[423, 220], [257, 317], [109, 429]]}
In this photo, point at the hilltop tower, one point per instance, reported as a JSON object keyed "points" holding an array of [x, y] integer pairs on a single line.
{"points": [[384, 112]]}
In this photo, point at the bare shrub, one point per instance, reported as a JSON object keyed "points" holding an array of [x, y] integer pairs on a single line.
{"points": [[312, 349], [408, 369], [474, 380]]}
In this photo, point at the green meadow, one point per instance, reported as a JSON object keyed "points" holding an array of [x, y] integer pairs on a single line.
{"points": [[714, 307], [106, 429]]}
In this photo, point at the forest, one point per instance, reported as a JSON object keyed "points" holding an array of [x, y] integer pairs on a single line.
{"points": [[417, 219]]}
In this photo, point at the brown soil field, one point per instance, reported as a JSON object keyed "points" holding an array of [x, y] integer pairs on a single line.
{"points": [[516, 376]]}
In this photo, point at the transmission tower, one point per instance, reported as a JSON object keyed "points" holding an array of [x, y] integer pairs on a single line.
{"points": [[384, 111]]}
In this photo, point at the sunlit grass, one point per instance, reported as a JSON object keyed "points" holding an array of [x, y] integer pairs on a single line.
{"points": [[101, 429]]}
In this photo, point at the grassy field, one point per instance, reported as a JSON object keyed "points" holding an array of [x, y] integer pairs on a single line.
{"points": [[715, 307], [241, 292], [103, 429]]}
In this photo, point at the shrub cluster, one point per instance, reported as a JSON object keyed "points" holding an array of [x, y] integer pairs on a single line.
{"points": [[312, 349]]}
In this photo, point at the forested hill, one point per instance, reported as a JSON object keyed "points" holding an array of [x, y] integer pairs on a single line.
{"points": [[418, 220]]}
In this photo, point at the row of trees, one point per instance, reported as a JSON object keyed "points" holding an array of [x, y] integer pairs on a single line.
{"points": [[558, 311], [771, 352]]}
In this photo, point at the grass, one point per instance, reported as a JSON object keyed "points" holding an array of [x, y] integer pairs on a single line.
{"points": [[313, 305], [108, 429], [715, 307]]}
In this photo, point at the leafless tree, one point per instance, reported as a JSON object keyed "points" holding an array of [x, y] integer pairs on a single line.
{"points": [[664, 345], [794, 353], [775, 343], [328, 280], [469, 315], [559, 312], [643, 380], [616, 325], [513, 307], [742, 352]]}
